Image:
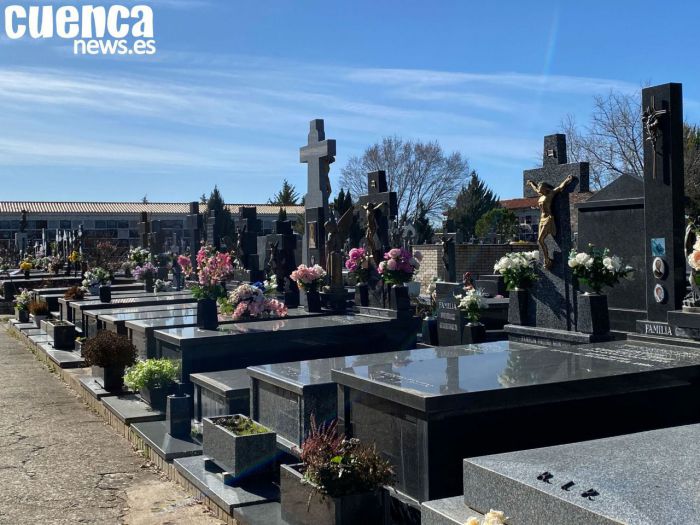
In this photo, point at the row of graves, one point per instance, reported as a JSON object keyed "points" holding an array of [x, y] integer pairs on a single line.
{"points": [[329, 410]]}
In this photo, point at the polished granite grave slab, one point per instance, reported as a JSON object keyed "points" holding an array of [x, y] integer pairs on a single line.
{"points": [[130, 409], [221, 393], [93, 317], [66, 308], [427, 415], [155, 434], [240, 345], [141, 331], [52, 295], [642, 478], [116, 322], [284, 396], [79, 307], [90, 384]]}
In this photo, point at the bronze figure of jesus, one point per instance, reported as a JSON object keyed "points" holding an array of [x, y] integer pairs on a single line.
{"points": [[547, 221]]}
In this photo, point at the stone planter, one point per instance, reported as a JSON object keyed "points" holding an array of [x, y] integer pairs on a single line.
{"points": [[22, 315], [38, 319], [157, 397], [398, 298], [313, 301], [110, 378], [429, 331], [207, 315], [517, 307], [105, 293], [362, 294], [63, 334], [593, 315], [303, 506], [148, 284], [473, 333], [239, 456]]}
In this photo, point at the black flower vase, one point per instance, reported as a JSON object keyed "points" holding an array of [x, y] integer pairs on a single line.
{"points": [[362, 294], [207, 316], [517, 307], [313, 301], [148, 283], [26, 274], [106, 293]]}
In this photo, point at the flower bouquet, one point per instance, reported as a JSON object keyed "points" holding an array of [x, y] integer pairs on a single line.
{"points": [[518, 269], [309, 278], [358, 264], [398, 266], [162, 286], [471, 303], [249, 301], [95, 277], [144, 271], [139, 256], [597, 268], [213, 267], [186, 264]]}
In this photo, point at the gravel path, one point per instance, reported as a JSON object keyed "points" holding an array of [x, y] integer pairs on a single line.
{"points": [[61, 464]]}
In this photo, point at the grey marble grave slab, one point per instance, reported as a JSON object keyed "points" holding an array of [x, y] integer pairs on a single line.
{"points": [[155, 434], [640, 479], [447, 511], [95, 389], [62, 358], [130, 409], [414, 412], [207, 477]]}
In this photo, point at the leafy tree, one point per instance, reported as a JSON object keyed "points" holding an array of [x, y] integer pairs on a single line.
{"points": [[474, 200], [203, 199], [287, 196], [227, 228], [424, 229], [416, 171], [499, 221], [144, 199]]}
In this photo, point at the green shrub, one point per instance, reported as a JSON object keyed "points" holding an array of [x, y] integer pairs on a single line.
{"points": [[108, 349], [151, 373]]}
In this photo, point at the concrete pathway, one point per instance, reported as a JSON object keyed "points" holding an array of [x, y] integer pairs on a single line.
{"points": [[60, 463]]}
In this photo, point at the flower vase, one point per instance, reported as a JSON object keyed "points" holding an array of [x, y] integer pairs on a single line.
{"points": [[127, 272], [517, 307], [94, 289], [26, 274], [313, 301], [22, 315], [207, 316], [362, 294], [105, 293], [398, 298], [473, 332], [593, 314], [429, 331], [148, 283]]}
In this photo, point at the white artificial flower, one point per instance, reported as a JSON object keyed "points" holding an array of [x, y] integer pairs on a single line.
{"points": [[582, 258], [573, 263], [616, 263], [608, 263]]}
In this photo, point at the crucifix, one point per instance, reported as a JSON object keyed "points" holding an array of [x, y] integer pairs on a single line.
{"points": [[650, 120]]}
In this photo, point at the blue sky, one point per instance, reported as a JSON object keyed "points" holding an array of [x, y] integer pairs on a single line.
{"points": [[228, 96]]}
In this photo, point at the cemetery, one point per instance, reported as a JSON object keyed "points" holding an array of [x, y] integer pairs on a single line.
{"points": [[343, 373]]}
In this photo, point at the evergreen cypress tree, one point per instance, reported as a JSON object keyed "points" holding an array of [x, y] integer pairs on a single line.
{"points": [[473, 201]]}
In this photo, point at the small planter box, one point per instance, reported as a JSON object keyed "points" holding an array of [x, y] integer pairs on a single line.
{"points": [[299, 509], [240, 456], [157, 397], [22, 315], [38, 319], [110, 378], [62, 333]]}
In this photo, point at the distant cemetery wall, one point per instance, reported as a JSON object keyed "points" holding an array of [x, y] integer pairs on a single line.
{"points": [[476, 258]]}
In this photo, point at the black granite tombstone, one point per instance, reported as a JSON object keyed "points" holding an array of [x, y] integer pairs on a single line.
{"points": [[663, 197], [318, 155], [144, 230], [249, 227], [213, 230], [194, 229], [449, 317]]}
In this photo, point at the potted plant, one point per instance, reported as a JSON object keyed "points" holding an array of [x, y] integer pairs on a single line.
{"points": [[62, 333], [239, 445], [249, 301], [146, 273], [22, 301], [396, 270], [97, 281], [518, 271], [358, 264], [40, 311], [108, 353], [26, 266], [310, 279], [213, 267], [470, 304], [155, 379], [338, 482], [594, 269]]}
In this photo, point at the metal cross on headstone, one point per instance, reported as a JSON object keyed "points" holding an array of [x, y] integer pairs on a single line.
{"points": [[650, 120]]}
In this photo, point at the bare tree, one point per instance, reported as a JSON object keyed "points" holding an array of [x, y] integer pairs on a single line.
{"points": [[416, 171], [612, 142]]}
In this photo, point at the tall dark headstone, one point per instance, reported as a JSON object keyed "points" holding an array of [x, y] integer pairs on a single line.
{"points": [[449, 317], [144, 230], [378, 193], [553, 302], [664, 226], [193, 225], [156, 239], [318, 155], [281, 260], [249, 228], [213, 230]]}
